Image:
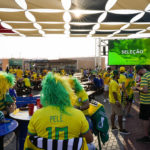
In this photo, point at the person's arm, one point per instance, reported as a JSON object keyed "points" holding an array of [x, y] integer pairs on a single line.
{"points": [[143, 89], [85, 105], [124, 89], [88, 136]]}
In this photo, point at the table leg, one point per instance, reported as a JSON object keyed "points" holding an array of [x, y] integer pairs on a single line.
{"points": [[17, 139], [99, 141], [1, 143]]}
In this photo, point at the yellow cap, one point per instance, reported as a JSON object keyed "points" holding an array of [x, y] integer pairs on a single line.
{"points": [[122, 69]]}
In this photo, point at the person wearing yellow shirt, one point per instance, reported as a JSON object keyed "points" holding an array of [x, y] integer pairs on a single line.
{"points": [[58, 119], [106, 78], [27, 81], [122, 81], [129, 84], [19, 73], [34, 76], [27, 72], [11, 70], [82, 102], [115, 101]]}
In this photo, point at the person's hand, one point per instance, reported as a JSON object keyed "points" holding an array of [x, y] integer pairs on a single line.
{"points": [[77, 107], [133, 88], [12, 108]]}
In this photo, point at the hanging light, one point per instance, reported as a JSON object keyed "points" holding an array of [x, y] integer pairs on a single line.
{"points": [[66, 4]]}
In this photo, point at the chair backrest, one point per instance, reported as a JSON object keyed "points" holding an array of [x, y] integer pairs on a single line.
{"points": [[49, 144]]}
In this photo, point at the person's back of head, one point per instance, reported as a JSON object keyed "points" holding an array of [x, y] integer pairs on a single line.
{"points": [[56, 91], [109, 69]]}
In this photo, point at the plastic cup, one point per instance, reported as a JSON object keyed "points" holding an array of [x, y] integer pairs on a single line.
{"points": [[31, 109], [38, 103]]}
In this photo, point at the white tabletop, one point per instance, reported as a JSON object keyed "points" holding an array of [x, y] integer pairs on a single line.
{"points": [[22, 115]]}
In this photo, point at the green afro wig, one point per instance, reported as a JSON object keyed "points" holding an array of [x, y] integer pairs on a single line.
{"points": [[56, 92]]}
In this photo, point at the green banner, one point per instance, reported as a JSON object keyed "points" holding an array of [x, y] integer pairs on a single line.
{"points": [[129, 52], [14, 62]]}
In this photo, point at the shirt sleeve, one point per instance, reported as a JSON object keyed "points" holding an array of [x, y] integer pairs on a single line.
{"points": [[85, 124], [144, 81], [31, 127]]}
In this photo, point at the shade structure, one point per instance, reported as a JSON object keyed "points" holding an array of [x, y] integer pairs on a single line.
{"points": [[84, 18]]}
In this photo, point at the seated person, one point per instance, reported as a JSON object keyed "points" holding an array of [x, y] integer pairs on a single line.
{"points": [[12, 93], [58, 119], [82, 102], [7, 104], [27, 82]]}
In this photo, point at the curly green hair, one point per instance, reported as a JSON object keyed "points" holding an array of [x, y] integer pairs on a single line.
{"points": [[56, 92]]}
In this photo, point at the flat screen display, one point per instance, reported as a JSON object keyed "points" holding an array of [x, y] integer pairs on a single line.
{"points": [[129, 52]]}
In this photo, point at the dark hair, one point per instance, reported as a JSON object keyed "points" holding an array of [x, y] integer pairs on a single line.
{"points": [[147, 67], [115, 72], [109, 68], [138, 67]]}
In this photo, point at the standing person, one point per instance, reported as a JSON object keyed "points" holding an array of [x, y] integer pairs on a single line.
{"points": [[106, 78], [19, 73], [115, 101], [124, 95], [128, 85], [144, 90], [58, 119]]}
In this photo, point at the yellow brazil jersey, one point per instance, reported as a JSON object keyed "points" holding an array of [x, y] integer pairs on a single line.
{"points": [[27, 72], [27, 82], [122, 78], [19, 73], [11, 70], [106, 78], [128, 85], [50, 123], [114, 87], [34, 76]]}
